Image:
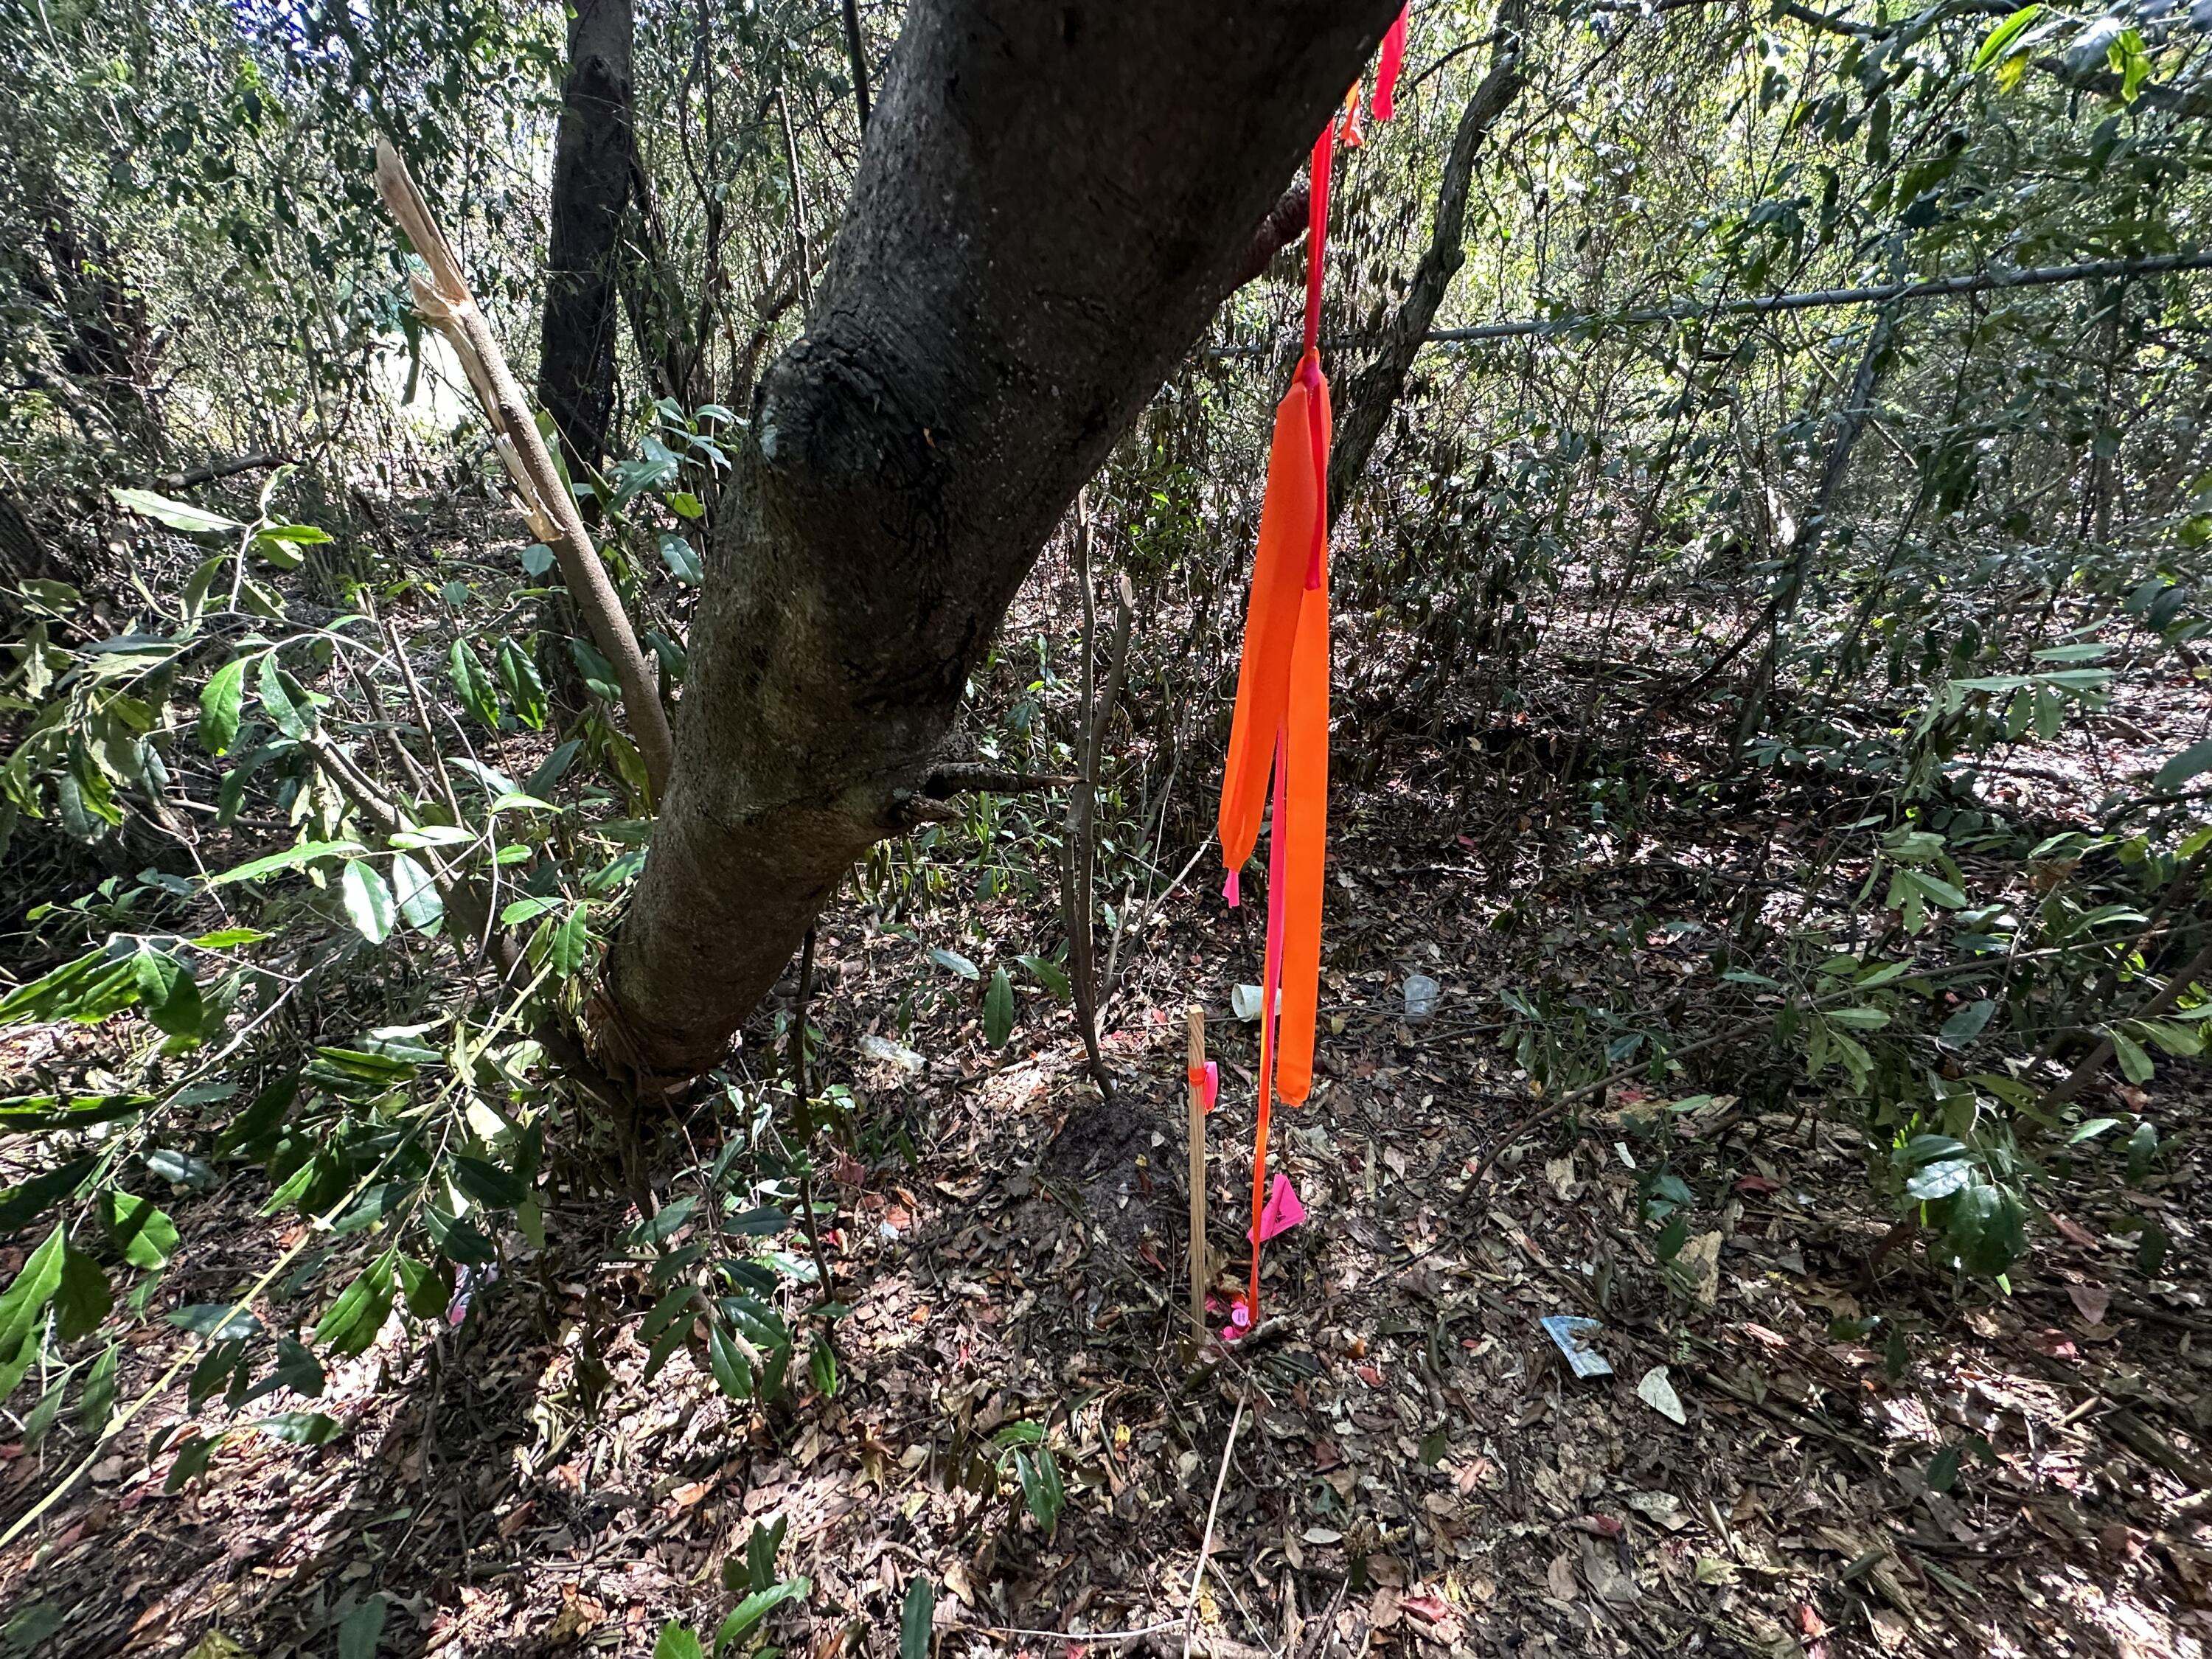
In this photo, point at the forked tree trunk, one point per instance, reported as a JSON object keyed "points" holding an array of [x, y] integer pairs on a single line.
{"points": [[1050, 203], [591, 194]]}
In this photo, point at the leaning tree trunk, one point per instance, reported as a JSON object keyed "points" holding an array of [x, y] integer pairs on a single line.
{"points": [[1364, 400], [1050, 203], [590, 193]]}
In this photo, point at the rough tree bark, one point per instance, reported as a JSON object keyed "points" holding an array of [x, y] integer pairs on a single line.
{"points": [[1051, 203], [1364, 399], [591, 195]]}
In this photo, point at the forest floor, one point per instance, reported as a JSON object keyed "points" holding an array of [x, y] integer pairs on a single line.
{"points": [[1400, 1462], [1403, 1410]]}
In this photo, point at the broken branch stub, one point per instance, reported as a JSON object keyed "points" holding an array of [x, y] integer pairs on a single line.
{"points": [[444, 298]]}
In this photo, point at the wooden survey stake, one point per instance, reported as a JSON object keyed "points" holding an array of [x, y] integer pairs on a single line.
{"points": [[1197, 1075]]}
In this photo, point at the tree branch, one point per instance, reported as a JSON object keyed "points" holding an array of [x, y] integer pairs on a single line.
{"points": [[1367, 398], [1285, 225]]}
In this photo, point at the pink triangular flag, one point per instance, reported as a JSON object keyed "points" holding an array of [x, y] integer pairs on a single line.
{"points": [[1231, 890], [1282, 1211]]}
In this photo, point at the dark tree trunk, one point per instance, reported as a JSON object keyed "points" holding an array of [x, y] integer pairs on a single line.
{"points": [[1051, 203], [1364, 400], [98, 325], [591, 195]]}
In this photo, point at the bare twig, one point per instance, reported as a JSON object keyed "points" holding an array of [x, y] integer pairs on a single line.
{"points": [[797, 1050], [1213, 1511], [1079, 848]]}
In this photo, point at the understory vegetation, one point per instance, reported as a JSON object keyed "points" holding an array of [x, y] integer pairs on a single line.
{"points": [[1771, 712]]}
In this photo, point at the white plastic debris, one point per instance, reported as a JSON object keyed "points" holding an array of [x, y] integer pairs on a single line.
{"points": [[1244, 1001], [1421, 994], [1570, 1334], [1656, 1392], [895, 1056]]}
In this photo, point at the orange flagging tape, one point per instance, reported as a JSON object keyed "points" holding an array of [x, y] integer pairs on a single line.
{"points": [[1278, 733]]}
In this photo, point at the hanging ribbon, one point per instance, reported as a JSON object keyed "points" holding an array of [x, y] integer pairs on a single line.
{"points": [[1279, 730]]}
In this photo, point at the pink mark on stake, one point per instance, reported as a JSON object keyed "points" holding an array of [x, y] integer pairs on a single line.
{"points": [[1282, 1211], [1207, 1079], [1230, 891]]}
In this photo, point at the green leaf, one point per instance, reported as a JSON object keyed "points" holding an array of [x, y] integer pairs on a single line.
{"points": [[1943, 1469], [763, 1221], [417, 895], [487, 1184], [916, 1613], [291, 859], [284, 700], [300, 1371], [677, 1643], [2091, 1129], [1039, 1475], [684, 505], [1927, 1149], [20, 1307], [169, 995], [999, 1010], [178, 515], [2134, 1065], [2131, 60], [1858, 1019], [2191, 762], [598, 673], [363, 1627], [300, 535], [351, 1322], [21, 1112], [306, 1429], [758, 1607], [278, 551], [368, 902], [20, 1205], [524, 690], [570, 946], [1939, 890], [1967, 1024], [221, 701], [474, 685], [82, 1299], [140, 1228], [89, 989], [958, 963], [1047, 973], [1995, 45], [1938, 1181], [682, 563], [733, 1374], [1986, 1228], [98, 1402], [217, 1322], [663, 1224]]}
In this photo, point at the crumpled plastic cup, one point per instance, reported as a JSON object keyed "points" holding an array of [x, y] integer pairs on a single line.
{"points": [[1421, 994]]}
